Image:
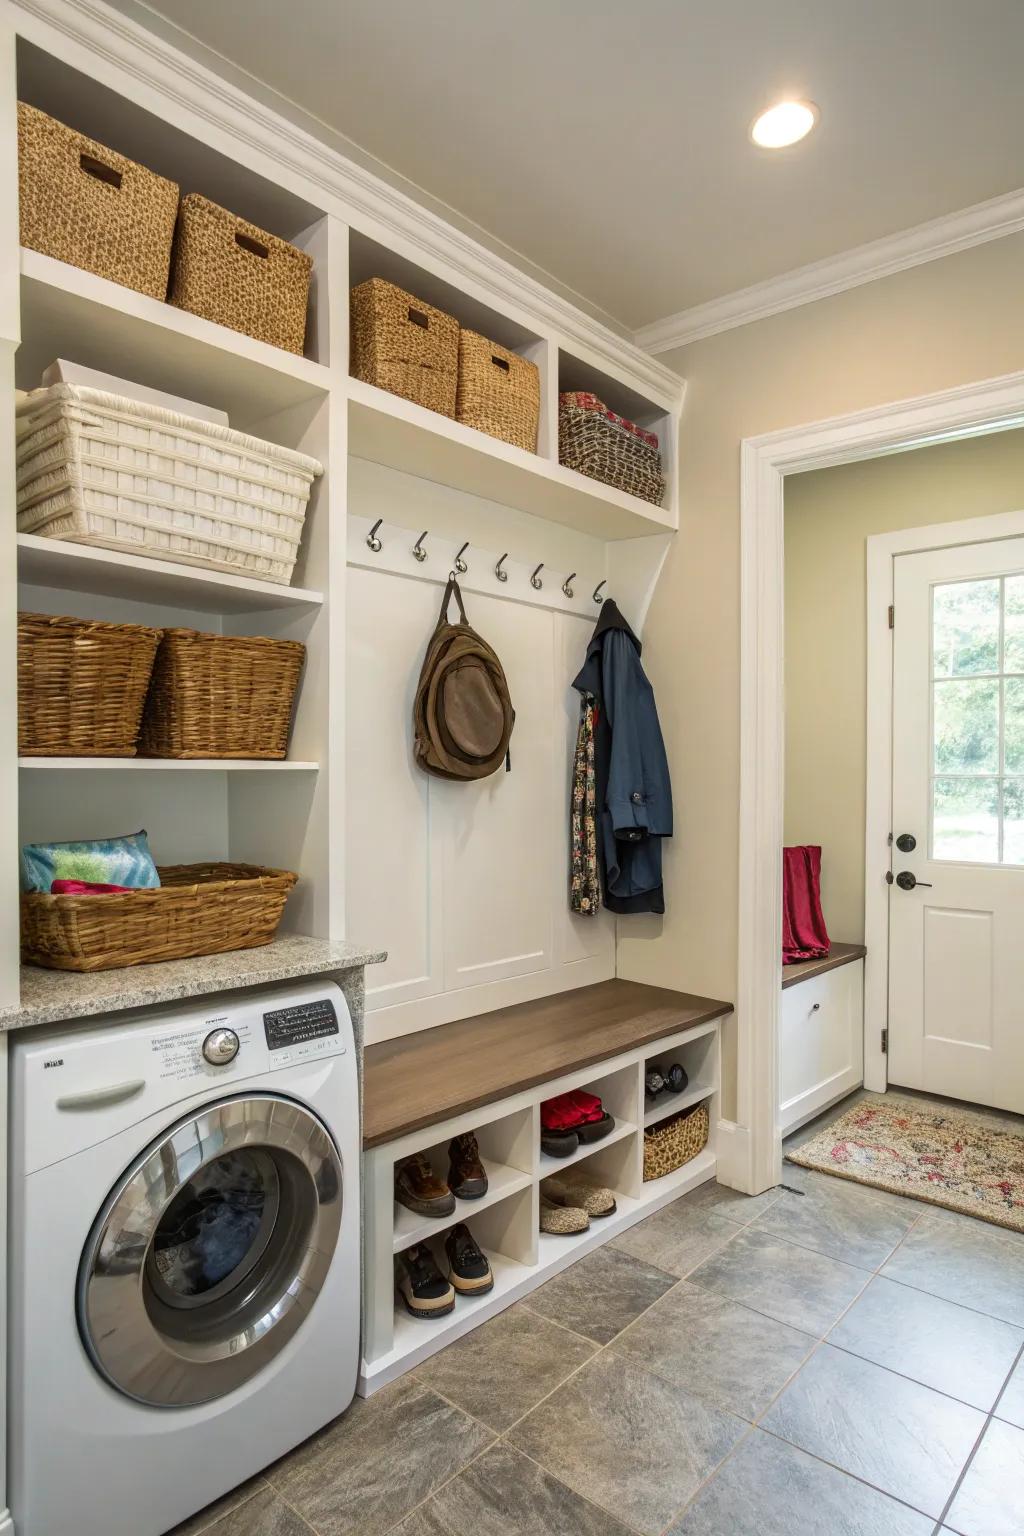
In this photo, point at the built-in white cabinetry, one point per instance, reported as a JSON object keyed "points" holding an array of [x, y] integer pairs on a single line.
{"points": [[821, 1042]]}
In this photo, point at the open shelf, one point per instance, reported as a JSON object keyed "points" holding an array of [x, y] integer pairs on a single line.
{"points": [[110, 573], [672, 1103], [502, 1181], [169, 764], [68, 312], [550, 1166], [389, 430]]}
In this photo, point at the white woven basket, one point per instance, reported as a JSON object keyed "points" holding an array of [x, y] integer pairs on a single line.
{"points": [[96, 468]]}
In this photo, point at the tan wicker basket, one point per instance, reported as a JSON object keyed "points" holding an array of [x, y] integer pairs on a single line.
{"points": [[81, 685], [675, 1141], [233, 272], [404, 346], [200, 909], [603, 446], [498, 391], [220, 696], [84, 204]]}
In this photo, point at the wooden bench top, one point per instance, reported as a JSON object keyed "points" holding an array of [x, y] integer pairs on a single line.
{"points": [[803, 970], [419, 1079]]}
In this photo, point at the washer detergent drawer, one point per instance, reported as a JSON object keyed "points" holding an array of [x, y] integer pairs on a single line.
{"points": [[77, 1088]]}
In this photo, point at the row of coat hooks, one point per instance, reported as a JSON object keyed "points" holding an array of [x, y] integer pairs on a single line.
{"points": [[420, 554]]}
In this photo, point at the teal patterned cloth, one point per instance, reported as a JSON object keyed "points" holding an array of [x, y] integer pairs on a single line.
{"points": [[105, 861]]}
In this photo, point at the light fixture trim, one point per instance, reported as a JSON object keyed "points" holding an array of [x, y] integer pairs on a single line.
{"points": [[784, 124]]}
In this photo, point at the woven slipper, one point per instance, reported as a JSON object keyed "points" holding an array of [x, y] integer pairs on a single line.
{"points": [[569, 1192], [561, 1220]]}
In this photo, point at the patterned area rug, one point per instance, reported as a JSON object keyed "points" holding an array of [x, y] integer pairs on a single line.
{"points": [[944, 1156]]}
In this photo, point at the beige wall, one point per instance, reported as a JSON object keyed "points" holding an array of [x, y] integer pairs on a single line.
{"points": [[947, 323], [829, 515]]}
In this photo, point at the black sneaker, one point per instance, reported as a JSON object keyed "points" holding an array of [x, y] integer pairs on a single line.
{"points": [[421, 1285], [468, 1269]]}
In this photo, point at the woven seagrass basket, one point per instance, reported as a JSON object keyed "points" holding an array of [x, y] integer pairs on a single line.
{"points": [[404, 346], [603, 446], [199, 909], [82, 203], [498, 391], [81, 685], [220, 696], [234, 273], [675, 1141]]}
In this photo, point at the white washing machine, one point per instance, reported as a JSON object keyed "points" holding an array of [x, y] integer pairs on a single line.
{"points": [[184, 1239]]}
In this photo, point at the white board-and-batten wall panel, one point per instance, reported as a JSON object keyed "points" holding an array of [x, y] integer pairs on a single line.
{"points": [[466, 883]]}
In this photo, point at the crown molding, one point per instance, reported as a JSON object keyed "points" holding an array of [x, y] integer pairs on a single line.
{"points": [[953, 232], [340, 185]]}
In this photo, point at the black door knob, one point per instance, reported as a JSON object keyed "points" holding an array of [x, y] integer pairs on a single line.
{"points": [[907, 881], [906, 842]]}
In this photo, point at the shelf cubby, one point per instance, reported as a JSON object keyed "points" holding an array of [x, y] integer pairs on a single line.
{"points": [[699, 1059]]}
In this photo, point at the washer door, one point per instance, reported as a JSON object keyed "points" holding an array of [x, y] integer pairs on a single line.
{"points": [[210, 1251]]}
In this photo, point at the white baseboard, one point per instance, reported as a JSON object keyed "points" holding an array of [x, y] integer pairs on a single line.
{"points": [[6, 1523], [732, 1151]]}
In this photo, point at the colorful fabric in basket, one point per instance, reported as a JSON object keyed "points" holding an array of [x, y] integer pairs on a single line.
{"points": [[583, 400], [87, 888], [123, 861]]}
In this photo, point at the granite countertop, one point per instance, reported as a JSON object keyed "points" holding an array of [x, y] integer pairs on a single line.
{"points": [[50, 997]]}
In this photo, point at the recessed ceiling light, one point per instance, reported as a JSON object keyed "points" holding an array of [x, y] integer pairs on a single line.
{"points": [[784, 124]]}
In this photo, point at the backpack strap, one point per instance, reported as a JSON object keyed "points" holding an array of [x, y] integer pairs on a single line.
{"points": [[453, 586]]}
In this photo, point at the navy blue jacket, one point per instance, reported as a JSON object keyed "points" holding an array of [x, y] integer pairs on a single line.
{"points": [[634, 792]]}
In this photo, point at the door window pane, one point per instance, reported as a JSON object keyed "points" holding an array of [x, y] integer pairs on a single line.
{"points": [[977, 747], [965, 628], [1013, 624], [967, 726], [1013, 821], [966, 820]]}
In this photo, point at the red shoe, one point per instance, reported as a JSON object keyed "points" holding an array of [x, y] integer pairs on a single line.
{"points": [[596, 1122]]}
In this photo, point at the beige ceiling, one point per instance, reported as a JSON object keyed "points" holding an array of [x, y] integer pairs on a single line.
{"points": [[607, 142]]}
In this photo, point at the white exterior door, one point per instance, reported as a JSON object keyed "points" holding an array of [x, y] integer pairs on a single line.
{"points": [[956, 906]]}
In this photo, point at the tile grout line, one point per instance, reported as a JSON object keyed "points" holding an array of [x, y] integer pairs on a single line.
{"points": [[989, 1417]]}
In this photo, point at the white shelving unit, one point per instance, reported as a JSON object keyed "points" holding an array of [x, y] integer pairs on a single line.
{"points": [[506, 1222]]}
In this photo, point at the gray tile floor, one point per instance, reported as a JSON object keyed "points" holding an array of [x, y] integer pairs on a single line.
{"points": [[823, 1360]]}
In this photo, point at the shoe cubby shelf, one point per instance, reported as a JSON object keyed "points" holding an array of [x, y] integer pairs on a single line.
{"points": [[506, 1222]]}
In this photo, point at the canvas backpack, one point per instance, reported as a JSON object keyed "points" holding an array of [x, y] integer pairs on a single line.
{"points": [[462, 714]]}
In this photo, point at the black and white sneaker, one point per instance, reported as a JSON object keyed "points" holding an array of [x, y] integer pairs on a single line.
{"points": [[421, 1285], [468, 1269]]}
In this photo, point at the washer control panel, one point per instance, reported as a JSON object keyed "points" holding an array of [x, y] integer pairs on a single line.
{"points": [[302, 1032], [220, 1046]]}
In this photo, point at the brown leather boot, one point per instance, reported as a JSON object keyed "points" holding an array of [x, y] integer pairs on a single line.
{"points": [[418, 1188], [466, 1173]]}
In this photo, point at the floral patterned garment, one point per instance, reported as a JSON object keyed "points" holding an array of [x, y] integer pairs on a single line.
{"points": [[585, 879]]}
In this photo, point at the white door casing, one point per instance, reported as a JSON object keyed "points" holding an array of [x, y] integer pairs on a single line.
{"points": [[956, 961]]}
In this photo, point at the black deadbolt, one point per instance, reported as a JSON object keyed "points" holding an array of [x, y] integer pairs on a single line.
{"points": [[906, 842]]}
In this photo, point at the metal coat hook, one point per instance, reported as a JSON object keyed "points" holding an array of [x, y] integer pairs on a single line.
{"points": [[566, 588], [501, 575], [597, 592], [418, 552], [460, 564], [372, 539], [535, 581]]}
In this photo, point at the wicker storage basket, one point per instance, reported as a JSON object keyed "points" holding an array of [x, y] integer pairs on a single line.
{"points": [[81, 686], [84, 204], [200, 909], [498, 391], [597, 443], [99, 469], [233, 272], [673, 1142], [220, 696], [404, 346]]}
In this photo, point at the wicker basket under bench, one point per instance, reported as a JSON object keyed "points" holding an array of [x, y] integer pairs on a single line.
{"points": [[199, 909]]}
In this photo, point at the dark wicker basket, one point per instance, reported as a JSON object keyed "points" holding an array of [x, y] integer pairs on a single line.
{"points": [[220, 696], [83, 203], [404, 346], [603, 446], [200, 909], [234, 273], [81, 685]]}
